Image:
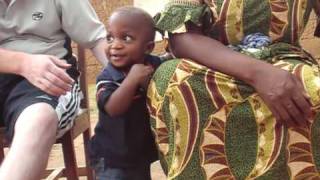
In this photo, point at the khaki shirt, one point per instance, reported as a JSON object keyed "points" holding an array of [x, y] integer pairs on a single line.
{"points": [[41, 26]]}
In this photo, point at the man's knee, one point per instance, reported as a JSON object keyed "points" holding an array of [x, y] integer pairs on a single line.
{"points": [[40, 117]]}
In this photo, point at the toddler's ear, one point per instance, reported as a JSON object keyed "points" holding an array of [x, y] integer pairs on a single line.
{"points": [[149, 47]]}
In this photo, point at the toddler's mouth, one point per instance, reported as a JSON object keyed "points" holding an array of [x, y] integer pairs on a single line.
{"points": [[116, 56]]}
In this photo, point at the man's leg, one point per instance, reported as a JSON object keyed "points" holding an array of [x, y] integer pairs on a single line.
{"points": [[35, 133], [34, 120]]}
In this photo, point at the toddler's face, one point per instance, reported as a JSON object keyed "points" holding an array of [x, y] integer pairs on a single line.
{"points": [[126, 41]]}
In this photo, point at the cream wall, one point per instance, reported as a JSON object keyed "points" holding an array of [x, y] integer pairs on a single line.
{"points": [[152, 6]]}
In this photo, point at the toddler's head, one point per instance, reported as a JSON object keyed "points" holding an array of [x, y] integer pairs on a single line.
{"points": [[130, 37]]}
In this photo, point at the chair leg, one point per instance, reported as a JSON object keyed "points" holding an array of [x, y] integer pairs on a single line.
{"points": [[86, 138], [69, 157], [1, 152]]}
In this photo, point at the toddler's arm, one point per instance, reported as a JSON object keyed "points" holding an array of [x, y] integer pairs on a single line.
{"points": [[121, 99]]}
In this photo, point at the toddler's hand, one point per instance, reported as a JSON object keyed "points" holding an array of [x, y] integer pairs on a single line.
{"points": [[141, 74]]}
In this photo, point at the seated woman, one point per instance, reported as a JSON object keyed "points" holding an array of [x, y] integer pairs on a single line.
{"points": [[220, 114]]}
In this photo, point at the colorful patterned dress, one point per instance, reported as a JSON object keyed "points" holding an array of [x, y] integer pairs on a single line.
{"points": [[209, 125]]}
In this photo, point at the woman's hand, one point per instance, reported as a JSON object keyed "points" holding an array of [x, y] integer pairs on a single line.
{"points": [[282, 92], [284, 95], [48, 73]]}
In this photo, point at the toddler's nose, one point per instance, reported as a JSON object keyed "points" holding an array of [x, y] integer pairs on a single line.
{"points": [[117, 44]]}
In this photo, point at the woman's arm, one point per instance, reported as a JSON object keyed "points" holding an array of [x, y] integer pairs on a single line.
{"points": [[281, 91], [316, 8], [215, 55]]}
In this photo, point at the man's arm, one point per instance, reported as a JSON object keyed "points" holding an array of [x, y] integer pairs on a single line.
{"points": [[99, 52], [11, 62], [90, 32], [43, 71]]}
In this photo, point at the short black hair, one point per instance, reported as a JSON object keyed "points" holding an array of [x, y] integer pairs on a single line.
{"points": [[140, 14]]}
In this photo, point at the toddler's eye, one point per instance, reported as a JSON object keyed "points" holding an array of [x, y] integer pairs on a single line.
{"points": [[128, 38], [109, 39]]}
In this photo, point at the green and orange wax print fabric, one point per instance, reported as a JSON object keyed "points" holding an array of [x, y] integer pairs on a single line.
{"points": [[231, 20], [209, 125]]}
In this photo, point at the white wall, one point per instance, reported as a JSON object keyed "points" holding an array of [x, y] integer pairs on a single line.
{"points": [[152, 6]]}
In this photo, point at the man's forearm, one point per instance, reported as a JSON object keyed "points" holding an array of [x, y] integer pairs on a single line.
{"points": [[11, 61], [99, 52]]}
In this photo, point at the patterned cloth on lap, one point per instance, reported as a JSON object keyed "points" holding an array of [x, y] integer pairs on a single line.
{"points": [[209, 125]]}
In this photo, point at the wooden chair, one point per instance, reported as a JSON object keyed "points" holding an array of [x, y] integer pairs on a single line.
{"points": [[82, 126]]}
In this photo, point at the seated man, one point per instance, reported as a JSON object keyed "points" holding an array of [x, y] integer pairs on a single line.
{"points": [[39, 92]]}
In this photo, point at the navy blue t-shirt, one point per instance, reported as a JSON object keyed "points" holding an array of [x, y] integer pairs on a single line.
{"points": [[126, 140]]}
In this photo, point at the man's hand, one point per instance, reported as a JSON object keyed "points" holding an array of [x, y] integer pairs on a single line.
{"points": [[285, 96], [48, 73]]}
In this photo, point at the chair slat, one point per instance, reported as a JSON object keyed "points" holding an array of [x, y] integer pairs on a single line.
{"points": [[55, 174]]}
